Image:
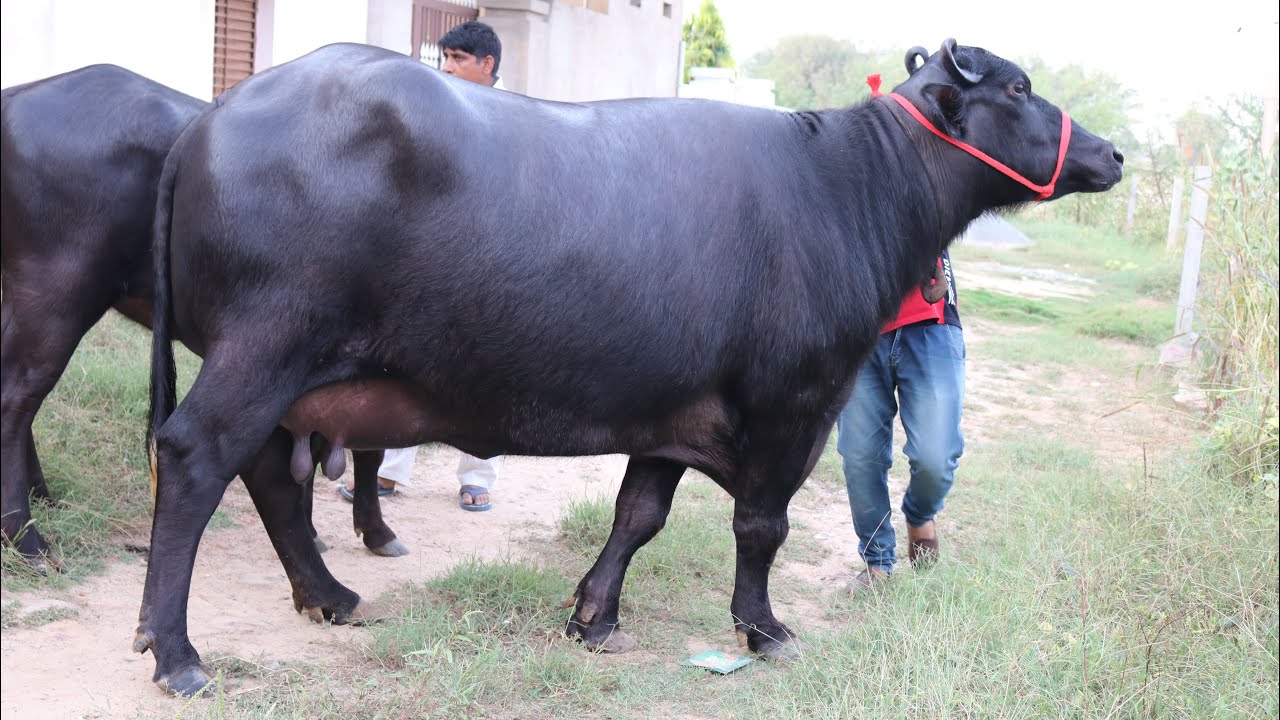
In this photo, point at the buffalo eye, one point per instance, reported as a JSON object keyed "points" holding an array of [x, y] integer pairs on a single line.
{"points": [[1020, 89]]}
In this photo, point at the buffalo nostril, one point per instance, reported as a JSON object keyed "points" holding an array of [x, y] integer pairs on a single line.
{"points": [[1119, 156]]}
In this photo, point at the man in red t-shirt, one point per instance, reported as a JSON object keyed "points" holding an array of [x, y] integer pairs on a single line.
{"points": [[916, 369]]}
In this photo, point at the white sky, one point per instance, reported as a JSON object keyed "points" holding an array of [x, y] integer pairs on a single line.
{"points": [[1169, 58]]}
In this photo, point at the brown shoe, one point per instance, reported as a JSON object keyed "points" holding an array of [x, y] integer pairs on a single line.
{"points": [[922, 546], [868, 579]]}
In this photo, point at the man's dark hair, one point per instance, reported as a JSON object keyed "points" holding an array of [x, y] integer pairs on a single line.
{"points": [[474, 38]]}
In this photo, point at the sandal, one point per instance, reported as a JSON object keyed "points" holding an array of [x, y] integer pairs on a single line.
{"points": [[473, 491], [350, 495]]}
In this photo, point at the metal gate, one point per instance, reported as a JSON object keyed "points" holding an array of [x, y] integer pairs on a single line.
{"points": [[431, 20]]}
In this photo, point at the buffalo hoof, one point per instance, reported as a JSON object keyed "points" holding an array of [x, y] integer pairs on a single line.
{"points": [[395, 548], [188, 682], [34, 550], [783, 649], [598, 636], [363, 614], [615, 643], [321, 546], [45, 562]]}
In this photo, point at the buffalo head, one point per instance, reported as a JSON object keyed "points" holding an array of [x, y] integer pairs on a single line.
{"points": [[987, 102]]}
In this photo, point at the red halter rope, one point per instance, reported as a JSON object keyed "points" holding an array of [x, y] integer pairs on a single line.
{"points": [[1042, 191]]}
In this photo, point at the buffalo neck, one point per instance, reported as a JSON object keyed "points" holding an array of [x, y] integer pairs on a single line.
{"points": [[895, 215]]}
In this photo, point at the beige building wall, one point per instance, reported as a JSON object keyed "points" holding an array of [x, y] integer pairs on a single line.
{"points": [[169, 41], [566, 50], [300, 26], [390, 25], [569, 50]]}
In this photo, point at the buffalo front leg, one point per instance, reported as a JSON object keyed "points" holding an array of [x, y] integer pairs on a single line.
{"points": [[280, 502], [366, 510], [767, 482], [642, 507]]}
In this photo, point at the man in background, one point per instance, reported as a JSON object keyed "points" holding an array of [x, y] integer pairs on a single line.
{"points": [[472, 52]]}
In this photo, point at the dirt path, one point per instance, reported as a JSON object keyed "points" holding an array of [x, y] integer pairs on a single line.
{"points": [[81, 666]]}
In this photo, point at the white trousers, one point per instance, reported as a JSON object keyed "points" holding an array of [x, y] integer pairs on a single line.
{"points": [[398, 465]]}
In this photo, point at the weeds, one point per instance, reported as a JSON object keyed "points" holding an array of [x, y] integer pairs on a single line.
{"points": [[1241, 311]]}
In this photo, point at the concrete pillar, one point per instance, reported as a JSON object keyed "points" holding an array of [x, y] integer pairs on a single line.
{"points": [[1175, 214], [521, 25], [1191, 253]]}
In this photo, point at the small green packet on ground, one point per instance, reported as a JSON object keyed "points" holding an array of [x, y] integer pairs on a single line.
{"points": [[717, 661]]}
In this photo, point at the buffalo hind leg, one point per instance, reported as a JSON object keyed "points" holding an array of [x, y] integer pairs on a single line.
{"points": [[366, 509], [318, 446], [187, 493], [642, 507], [217, 430], [39, 486], [759, 533], [366, 512], [308, 507], [280, 503], [33, 360]]}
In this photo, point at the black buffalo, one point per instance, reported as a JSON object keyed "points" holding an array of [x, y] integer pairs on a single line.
{"points": [[691, 283], [82, 155]]}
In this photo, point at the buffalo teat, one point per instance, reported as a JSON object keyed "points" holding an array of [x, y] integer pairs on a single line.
{"points": [[335, 465], [300, 463]]}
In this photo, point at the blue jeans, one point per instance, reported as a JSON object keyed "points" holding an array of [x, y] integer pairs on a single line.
{"points": [[924, 364]]}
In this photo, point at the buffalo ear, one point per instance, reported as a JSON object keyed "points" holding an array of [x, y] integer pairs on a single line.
{"points": [[946, 105], [956, 70]]}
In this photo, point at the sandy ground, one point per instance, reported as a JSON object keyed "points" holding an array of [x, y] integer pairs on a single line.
{"points": [[81, 666]]}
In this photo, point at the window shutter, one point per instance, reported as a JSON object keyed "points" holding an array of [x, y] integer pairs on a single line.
{"points": [[233, 28]]}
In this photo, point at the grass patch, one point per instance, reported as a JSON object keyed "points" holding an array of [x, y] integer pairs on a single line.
{"points": [[1081, 595], [1147, 325], [90, 437], [1087, 250], [1073, 590], [13, 616], [997, 306], [1135, 287], [1052, 346]]}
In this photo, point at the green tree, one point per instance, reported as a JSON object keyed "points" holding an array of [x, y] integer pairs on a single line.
{"points": [[705, 44], [1096, 100], [812, 72], [1099, 102], [1201, 137]]}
